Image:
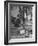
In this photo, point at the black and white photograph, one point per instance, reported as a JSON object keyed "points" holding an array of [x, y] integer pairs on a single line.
{"points": [[20, 22]]}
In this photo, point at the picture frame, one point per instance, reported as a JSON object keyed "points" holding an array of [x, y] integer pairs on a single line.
{"points": [[9, 6]]}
